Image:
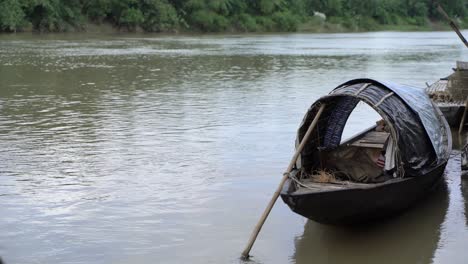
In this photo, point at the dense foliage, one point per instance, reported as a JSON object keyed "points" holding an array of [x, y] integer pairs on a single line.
{"points": [[221, 15]]}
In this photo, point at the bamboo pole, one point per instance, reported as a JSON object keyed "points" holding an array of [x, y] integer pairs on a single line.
{"points": [[258, 227], [452, 24], [462, 122], [460, 35]]}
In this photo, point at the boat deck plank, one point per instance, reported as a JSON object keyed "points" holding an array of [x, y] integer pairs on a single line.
{"points": [[372, 139], [313, 186], [322, 187]]}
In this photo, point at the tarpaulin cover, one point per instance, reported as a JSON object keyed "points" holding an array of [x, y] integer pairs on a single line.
{"points": [[419, 128]]}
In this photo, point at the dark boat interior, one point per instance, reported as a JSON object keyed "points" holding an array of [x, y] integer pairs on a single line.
{"points": [[351, 165]]}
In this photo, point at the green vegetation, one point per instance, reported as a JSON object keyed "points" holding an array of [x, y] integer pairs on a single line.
{"points": [[226, 15]]}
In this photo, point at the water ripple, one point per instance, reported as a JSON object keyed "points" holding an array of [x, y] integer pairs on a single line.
{"points": [[131, 148]]}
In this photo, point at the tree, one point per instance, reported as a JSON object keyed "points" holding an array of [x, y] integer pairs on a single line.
{"points": [[159, 16], [11, 15], [96, 10], [131, 18]]}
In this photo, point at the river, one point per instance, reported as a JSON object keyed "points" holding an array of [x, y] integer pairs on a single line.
{"points": [[166, 149]]}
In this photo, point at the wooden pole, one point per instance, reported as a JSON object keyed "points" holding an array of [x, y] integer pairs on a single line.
{"points": [[462, 122], [452, 24], [258, 227], [460, 35]]}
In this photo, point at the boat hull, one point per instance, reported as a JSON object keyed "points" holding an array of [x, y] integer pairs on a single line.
{"points": [[362, 205]]}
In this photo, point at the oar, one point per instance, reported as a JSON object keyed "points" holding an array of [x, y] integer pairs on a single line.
{"points": [[258, 227], [462, 38], [452, 24]]}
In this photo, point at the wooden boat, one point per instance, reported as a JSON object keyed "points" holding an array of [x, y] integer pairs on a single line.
{"points": [[417, 144], [449, 93]]}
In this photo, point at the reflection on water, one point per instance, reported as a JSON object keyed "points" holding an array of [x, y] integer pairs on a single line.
{"points": [[144, 148], [410, 238], [464, 191]]}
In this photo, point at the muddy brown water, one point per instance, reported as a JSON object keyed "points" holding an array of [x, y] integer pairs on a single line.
{"points": [[166, 149]]}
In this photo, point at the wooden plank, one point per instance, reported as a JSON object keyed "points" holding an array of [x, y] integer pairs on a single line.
{"points": [[367, 145], [372, 139], [342, 185], [439, 86], [322, 187]]}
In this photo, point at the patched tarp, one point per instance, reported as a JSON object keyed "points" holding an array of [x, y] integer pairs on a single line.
{"points": [[419, 128], [419, 101]]}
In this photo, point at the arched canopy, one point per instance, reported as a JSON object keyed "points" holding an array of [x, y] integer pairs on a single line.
{"points": [[416, 124]]}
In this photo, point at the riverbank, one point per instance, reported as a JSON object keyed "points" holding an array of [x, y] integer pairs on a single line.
{"points": [[328, 27], [306, 27]]}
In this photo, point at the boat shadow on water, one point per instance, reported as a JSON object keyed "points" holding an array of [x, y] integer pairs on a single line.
{"points": [[411, 237], [464, 192]]}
